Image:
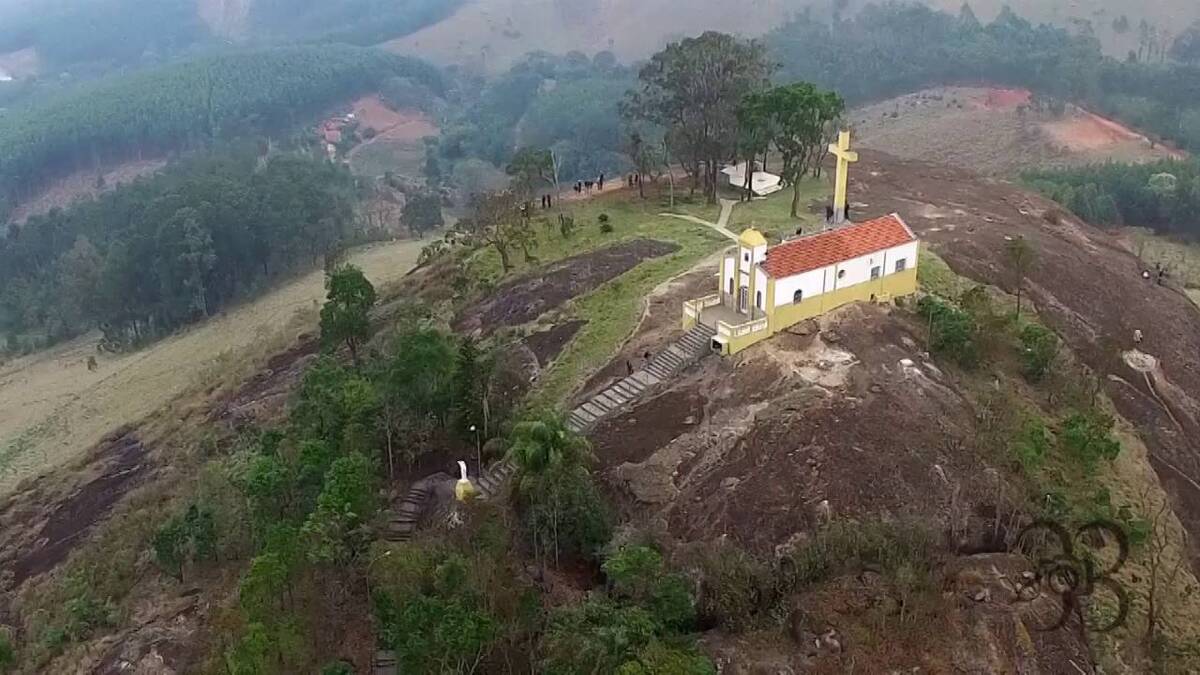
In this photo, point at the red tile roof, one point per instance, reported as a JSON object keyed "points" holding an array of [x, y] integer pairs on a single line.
{"points": [[827, 248]]}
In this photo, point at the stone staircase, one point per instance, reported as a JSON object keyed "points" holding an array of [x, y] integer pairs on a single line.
{"points": [[663, 366], [402, 520]]}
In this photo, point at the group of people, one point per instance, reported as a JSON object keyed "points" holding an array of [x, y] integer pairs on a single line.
{"points": [[582, 186], [1160, 274]]}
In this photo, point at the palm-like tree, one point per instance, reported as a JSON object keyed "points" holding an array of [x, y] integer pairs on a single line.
{"points": [[544, 444]]}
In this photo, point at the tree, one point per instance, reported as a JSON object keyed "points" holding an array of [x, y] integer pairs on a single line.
{"points": [[335, 529], [497, 220], [1186, 47], [1020, 256], [544, 443], [345, 318], [184, 539], [801, 119], [560, 505], [693, 89], [530, 168], [754, 137], [422, 213], [1039, 347]]}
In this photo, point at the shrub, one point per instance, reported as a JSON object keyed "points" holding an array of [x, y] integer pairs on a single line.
{"points": [[186, 538], [1087, 437], [889, 547], [597, 636], [638, 575], [1031, 445], [662, 659], [952, 331], [603, 218], [8, 654], [606, 228], [338, 668], [730, 587], [1039, 349]]}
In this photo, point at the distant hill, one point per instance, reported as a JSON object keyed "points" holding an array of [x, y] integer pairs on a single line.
{"points": [[492, 34]]}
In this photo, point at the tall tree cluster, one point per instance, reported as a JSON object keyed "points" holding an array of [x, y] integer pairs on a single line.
{"points": [[1163, 195], [150, 256], [799, 120], [693, 89], [186, 105]]}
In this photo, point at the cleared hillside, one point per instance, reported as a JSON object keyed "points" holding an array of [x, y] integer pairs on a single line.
{"points": [[996, 131], [52, 407], [492, 34]]}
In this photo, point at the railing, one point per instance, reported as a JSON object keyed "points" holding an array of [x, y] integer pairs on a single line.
{"points": [[742, 329], [693, 308]]}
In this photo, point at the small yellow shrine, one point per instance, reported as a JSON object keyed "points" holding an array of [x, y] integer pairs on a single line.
{"points": [[763, 290]]}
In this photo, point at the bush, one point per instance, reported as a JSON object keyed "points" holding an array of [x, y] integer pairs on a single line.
{"points": [[1031, 445], [1039, 349], [606, 228], [730, 587], [338, 668], [638, 575], [603, 218], [952, 331], [186, 538], [8, 654], [888, 547], [1087, 437]]}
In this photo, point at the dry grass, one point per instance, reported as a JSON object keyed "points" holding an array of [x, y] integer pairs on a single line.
{"points": [[1181, 258], [493, 34], [981, 129], [52, 408]]}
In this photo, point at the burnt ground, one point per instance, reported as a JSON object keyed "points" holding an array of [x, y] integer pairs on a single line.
{"points": [[526, 298], [546, 345], [1086, 286], [802, 421], [845, 419], [44, 536]]}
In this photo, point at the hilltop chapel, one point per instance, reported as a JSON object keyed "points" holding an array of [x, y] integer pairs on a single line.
{"points": [[764, 290]]}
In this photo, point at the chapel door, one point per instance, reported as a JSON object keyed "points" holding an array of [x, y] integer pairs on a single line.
{"points": [[743, 299]]}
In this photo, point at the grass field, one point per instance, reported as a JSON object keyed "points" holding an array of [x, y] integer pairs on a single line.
{"points": [[52, 408], [772, 215], [1181, 258]]}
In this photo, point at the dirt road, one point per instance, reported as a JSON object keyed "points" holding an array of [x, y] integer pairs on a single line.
{"points": [[52, 408]]}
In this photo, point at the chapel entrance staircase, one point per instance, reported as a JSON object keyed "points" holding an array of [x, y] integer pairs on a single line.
{"points": [[663, 367]]}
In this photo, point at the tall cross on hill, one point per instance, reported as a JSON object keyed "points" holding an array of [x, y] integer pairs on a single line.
{"points": [[845, 156]]}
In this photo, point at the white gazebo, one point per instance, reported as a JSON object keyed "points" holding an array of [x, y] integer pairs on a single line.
{"points": [[762, 183]]}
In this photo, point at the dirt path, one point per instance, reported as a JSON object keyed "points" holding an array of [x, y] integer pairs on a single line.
{"points": [[719, 226], [52, 408]]}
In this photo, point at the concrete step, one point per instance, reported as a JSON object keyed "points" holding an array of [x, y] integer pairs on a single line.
{"points": [[646, 379], [593, 409], [608, 398], [660, 372], [626, 390]]}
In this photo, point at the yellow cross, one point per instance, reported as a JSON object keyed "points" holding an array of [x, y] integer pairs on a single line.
{"points": [[845, 156]]}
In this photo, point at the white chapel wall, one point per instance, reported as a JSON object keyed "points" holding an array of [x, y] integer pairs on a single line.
{"points": [[857, 271]]}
